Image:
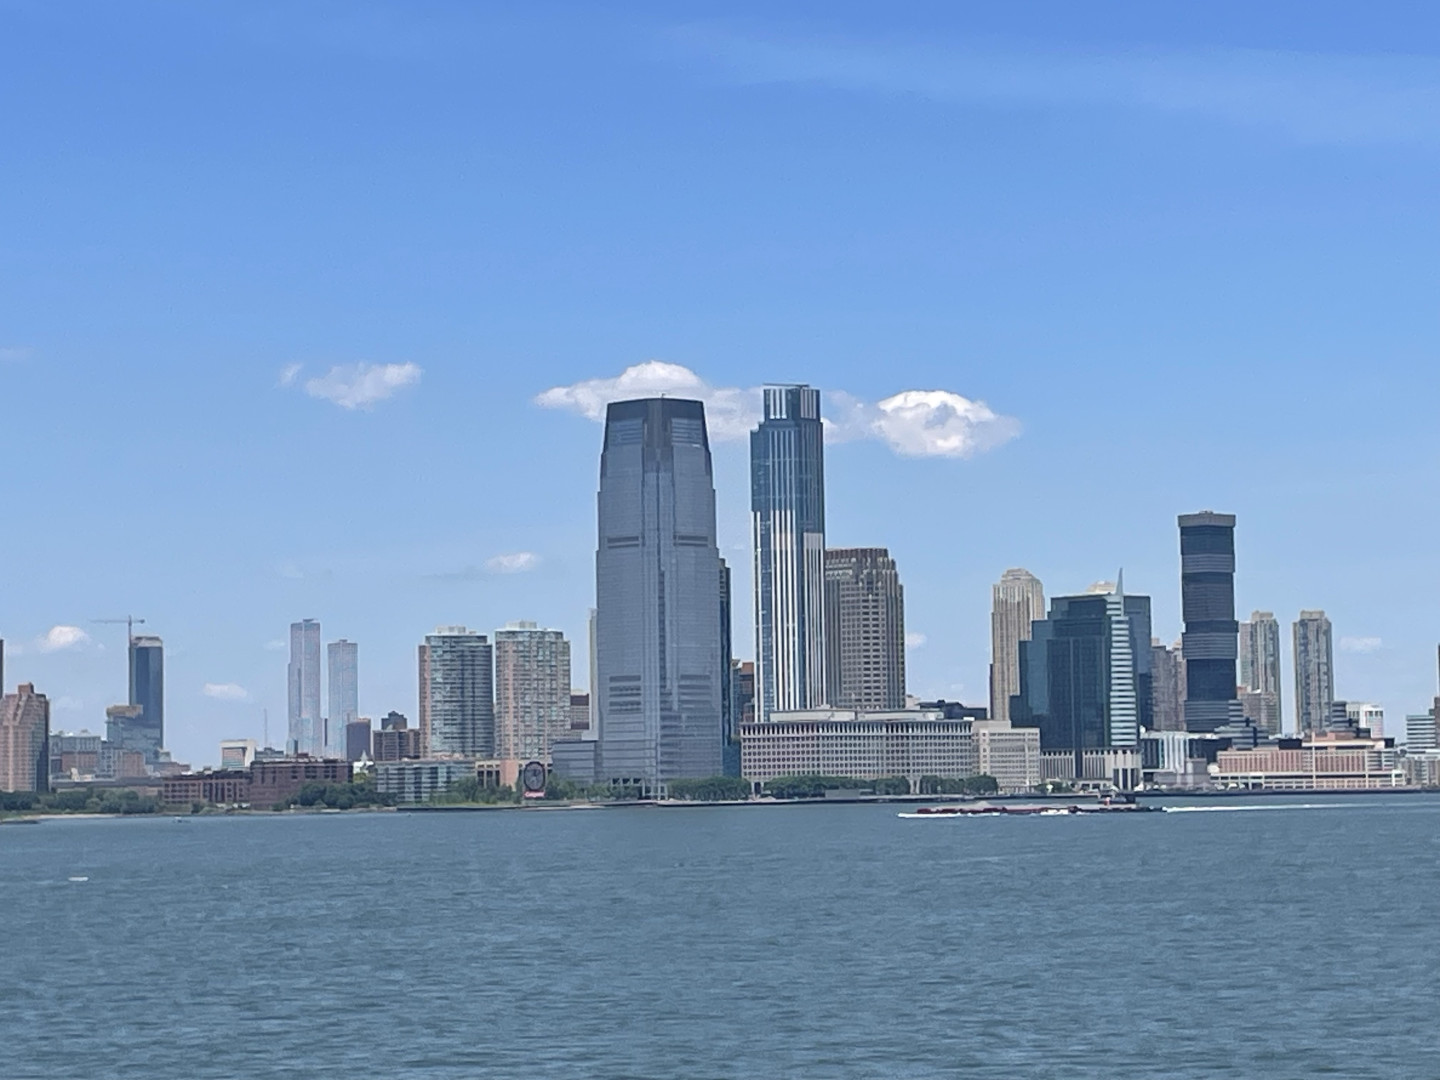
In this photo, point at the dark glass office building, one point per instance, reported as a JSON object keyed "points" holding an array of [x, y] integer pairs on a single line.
{"points": [[1211, 641], [1085, 674], [658, 588], [146, 732]]}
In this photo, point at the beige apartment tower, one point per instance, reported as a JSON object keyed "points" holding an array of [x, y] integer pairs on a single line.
{"points": [[532, 691], [864, 630], [1017, 600], [24, 740]]}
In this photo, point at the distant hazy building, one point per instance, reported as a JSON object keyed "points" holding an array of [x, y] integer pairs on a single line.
{"points": [[306, 733], [24, 740], [1260, 670], [422, 714], [460, 693], [358, 735], [1085, 677], [1314, 672], [237, 753], [579, 713], [657, 585], [344, 661], [1421, 732], [1167, 667], [742, 686], [532, 691], [865, 630], [147, 691], [127, 732], [729, 740], [1017, 601], [1210, 640], [787, 503], [1366, 716], [396, 740]]}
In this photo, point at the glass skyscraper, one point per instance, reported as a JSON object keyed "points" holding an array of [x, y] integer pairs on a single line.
{"points": [[658, 645], [1210, 643], [459, 692], [344, 661], [787, 503], [306, 734], [146, 732]]}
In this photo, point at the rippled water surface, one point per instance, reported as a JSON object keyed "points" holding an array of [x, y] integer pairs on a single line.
{"points": [[832, 941]]}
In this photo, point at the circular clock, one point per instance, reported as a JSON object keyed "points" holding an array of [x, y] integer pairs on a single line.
{"points": [[532, 776]]}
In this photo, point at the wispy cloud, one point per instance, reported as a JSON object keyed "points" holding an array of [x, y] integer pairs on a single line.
{"points": [[225, 691], [276, 645], [1361, 644], [1311, 97], [13, 354], [913, 423], [60, 638], [288, 374], [358, 386], [914, 639], [515, 562]]}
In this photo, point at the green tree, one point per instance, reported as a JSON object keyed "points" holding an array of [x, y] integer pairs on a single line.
{"points": [[711, 789]]}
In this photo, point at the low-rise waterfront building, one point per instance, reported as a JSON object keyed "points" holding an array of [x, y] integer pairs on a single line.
{"points": [[1422, 769], [418, 781], [1325, 762], [279, 781], [1096, 769], [902, 742], [222, 787]]}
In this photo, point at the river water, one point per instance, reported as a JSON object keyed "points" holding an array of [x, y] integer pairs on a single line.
{"points": [[797, 941]]}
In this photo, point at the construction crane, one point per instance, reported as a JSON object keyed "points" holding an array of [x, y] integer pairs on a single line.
{"points": [[129, 621]]}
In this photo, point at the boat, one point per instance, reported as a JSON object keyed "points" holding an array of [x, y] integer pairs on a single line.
{"points": [[1030, 810]]}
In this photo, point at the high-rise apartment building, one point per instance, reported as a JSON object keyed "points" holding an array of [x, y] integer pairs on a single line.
{"points": [[1260, 670], [459, 693], [1314, 672], [147, 691], [657, 591], [1085, 674], [787, 504], [1017, 601], [1210, 640], [344, 661], [306, 734], [532, 691], [1167, 666], [24, 740], [865, 630], [422, 714]]}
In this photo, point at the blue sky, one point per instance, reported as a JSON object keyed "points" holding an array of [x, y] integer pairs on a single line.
{"points": [[281, 284]]}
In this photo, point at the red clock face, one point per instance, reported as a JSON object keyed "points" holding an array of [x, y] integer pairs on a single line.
{"points": [[532, 777]]}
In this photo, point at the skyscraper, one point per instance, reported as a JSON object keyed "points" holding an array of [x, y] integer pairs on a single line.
{"points": [[730, 738], [1314, 672], [1085, 673], [24, 740], [1210, 640], [460, 693], [306, 735], [787, 503], [422, 713], [147, 690], [1260, 668], [657, 596], [1168, 686], [1017, 600], [532, 691], [344, 661], [865, 630]]}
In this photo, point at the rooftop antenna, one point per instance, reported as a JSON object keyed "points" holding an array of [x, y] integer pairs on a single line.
{"points": [[266, 743]]}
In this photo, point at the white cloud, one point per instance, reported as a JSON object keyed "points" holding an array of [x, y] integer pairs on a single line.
{"points": [[913, 423], [275, 645], [914, 639], [516, 562], [288, 374], [225, 691], [1360, 644], [1309, 97], [362, 386], [59, 638]]}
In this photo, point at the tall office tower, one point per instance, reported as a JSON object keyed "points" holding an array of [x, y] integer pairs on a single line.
{"points": [[1168, 693], [1260, 669], [787, 505], [306, 733], [24, 740], [344, 660], [460, 693], [657, 591], [594, 695], [730, 732], [147, 690], [1314, 672], [532, 691], [865, 630], [1017, 600], [1085, 673], [1207, 596], [422, 714]]}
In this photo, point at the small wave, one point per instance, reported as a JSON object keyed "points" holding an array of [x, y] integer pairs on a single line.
{"points": [[79, 879], [1255, 806]]}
